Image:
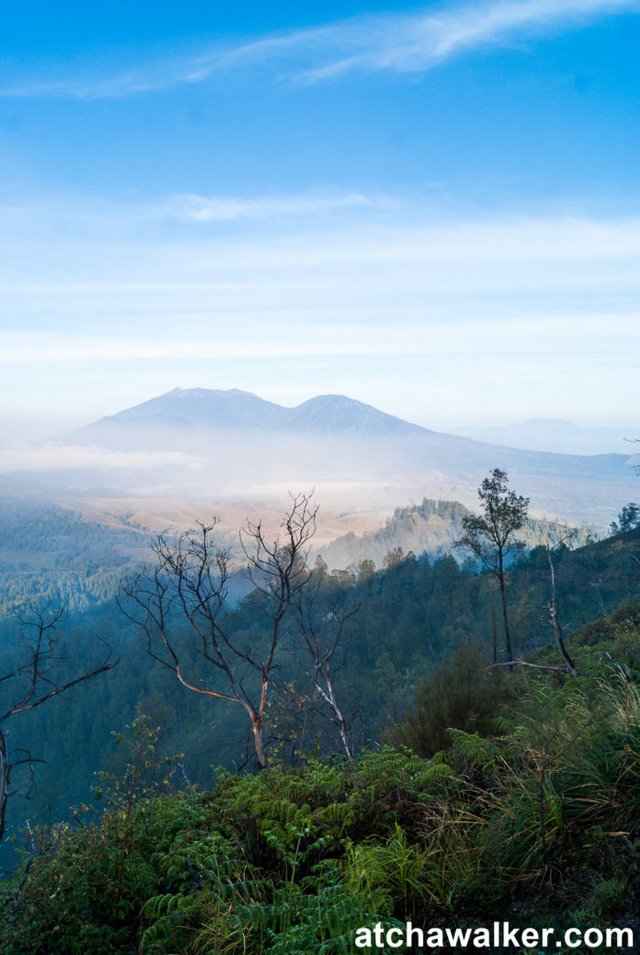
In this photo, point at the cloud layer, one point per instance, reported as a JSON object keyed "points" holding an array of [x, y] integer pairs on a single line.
{"points": [[400, 43], [538, 314]]}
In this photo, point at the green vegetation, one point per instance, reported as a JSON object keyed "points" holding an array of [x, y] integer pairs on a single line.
{"points": [[416, 768], [52, 555], [628, 519], [411, 618], [538, 817], [431, 528]]}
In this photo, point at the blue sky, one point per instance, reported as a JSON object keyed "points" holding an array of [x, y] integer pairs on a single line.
{"points": [[432, 208]]}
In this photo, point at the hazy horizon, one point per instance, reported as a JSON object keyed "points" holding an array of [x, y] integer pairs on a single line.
{"points": [[16, 430]]}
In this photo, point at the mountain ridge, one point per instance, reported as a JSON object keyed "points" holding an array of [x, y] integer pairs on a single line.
{"points": [[229, 409], [233, 445], [555, 435]]}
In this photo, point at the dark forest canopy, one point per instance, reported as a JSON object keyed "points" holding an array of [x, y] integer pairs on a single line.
{"points": [[409, 616], [403, 638], [528, 814], [50, 554]]}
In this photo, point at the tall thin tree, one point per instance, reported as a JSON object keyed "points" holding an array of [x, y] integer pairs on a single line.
{"points": [[324, 638], [490, 536]]}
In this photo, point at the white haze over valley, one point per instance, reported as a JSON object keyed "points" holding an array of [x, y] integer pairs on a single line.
{"points": [[191, 453]]}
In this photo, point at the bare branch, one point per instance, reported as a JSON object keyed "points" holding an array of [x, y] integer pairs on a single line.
{"points": [[189, 585], [552, 609], [322, 642], [525, 663], [38, 680], [39, 700]]}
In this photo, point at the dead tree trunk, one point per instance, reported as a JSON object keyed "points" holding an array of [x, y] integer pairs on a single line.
{"points": [[5, 779], [323, 644], [552, 609]]}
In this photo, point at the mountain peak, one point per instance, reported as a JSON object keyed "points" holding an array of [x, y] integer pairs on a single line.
{"points": [[196, 409], [339, 413], [205, 393]]}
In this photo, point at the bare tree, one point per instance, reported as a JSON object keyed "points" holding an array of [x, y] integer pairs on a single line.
{"points": [[189, 585], [323, 641], [554, 620], [41, 674], [490, 536], [551, 607]]}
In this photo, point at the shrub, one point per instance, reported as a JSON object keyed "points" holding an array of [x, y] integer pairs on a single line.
{"points": [[461, 694]]}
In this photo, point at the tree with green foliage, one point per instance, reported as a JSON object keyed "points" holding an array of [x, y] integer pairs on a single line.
{"points": [[460, 694], [490, 535], [628, 520]]}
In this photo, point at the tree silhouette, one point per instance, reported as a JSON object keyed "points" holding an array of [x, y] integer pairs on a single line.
{"points": [[490, 535], [41, 672], [189, 586]]}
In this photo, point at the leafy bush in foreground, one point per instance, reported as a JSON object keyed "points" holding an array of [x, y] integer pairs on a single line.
{"points": [[539, 824]]}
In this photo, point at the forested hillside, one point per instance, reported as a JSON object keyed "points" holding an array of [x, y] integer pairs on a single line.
{"points": [[50, 554], [58, 556], [529, 814], [325, 664], [431, 529], [403, 620]]}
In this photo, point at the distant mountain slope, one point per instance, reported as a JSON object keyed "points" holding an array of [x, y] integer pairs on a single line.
{"points": [[337, 414], [432, 528], [556, 436], [52, 556], [233, 445], [233, 410], [204, 407]]}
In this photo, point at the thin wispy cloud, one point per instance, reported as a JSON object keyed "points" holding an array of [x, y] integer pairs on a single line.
{"points": [[92, 216], [195, 208], [415, 44], [400, 43], [411, 306], [492, 336]]}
